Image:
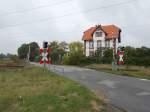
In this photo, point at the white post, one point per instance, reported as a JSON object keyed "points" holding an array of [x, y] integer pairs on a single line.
{"points": [[29, 54]]}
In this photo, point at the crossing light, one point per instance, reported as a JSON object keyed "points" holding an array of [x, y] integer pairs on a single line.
{"points": [[121, 48], [45, 44]]}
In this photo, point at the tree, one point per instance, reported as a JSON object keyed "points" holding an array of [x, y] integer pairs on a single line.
{"points": [[57, 52], [2, 56], [75, 55], [63, 45], [34, 50], [137, 56], [23, 50], [108, 56]]}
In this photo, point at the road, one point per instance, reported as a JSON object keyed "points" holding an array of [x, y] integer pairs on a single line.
{"points": [[132, 94]]}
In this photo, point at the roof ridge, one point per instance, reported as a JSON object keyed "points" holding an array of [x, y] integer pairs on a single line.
{"points": [[108, 29]]}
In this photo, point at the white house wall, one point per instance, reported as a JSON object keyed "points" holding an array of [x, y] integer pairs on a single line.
{"points": [[87, 51], [111, 43], [99, 38], [95, 39]]}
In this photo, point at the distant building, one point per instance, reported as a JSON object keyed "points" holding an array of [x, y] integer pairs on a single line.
{"points": [[101, 38]]}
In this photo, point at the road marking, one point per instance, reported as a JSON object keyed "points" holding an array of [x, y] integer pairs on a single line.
{"points": [[144, 80], [108, 83], [144, 93]]}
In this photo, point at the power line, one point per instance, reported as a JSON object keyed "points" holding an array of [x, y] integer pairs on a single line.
{"points": [[35, 8], [72, 13]]}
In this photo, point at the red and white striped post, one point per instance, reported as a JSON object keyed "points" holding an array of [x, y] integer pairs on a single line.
{"points": [[44, 56]]}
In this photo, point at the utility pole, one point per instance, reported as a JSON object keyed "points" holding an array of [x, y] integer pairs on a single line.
{"points": [[45, 45], [114, 63], [114, 50], [29, 54]]}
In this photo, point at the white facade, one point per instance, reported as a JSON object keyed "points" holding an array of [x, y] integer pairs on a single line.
{"points": [[99, 41]]}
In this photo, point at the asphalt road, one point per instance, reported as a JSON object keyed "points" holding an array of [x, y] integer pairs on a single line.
{"points": [[129, 93]]}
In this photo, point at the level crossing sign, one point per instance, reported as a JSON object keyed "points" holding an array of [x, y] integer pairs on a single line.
{"points": [[120, 55], [44, 53]]}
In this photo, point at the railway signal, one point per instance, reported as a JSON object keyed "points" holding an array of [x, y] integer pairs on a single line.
{"points": [[120, 54], [44, 53]]}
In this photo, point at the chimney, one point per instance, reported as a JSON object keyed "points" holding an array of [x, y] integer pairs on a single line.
{"points": [[97, 25]]}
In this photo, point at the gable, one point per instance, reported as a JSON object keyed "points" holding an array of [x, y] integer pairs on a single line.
{"points": [[111, 31], [98, 33]]}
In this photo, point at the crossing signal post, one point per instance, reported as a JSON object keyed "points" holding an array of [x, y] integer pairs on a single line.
{"points": [[44, 53], [119, 58], [120, 55]]}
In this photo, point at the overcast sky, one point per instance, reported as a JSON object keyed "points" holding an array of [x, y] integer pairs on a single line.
{"points": [[23, 21]]}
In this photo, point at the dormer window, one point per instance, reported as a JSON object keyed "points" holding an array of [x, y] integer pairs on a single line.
{"points": [[98, 34]]}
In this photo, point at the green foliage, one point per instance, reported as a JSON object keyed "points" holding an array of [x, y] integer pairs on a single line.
{"points": [[98, 58], [75, 56], [23, 51], [34, 50], [76, 47], [133, 56], [137, 56], [57, 52], [108, 56], [2, 56]]}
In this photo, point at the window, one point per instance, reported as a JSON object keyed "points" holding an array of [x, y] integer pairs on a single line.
{"points": [[99, 44], [91, 44], [98, 34], [107, 43]]}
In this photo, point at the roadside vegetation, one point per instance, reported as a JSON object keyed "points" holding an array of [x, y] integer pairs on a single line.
{"points": [[132, 71], [137, 61], [137, 57], [73, 54], [32, 90]]}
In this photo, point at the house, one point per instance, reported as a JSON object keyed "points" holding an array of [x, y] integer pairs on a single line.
{"points": [[101, 38]]}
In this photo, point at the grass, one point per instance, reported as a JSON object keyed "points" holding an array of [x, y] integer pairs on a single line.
{"points": [[132, 71], [33, 90]]}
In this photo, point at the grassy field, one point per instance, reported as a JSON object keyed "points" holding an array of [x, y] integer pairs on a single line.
{"points": [[32, 90], [132, 71]]}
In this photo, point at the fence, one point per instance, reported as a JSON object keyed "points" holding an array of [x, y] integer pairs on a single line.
{"points": [[55, 68]]}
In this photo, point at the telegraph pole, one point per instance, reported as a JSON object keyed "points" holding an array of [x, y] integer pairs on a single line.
{"points": [[114, 63], [28, 56]]}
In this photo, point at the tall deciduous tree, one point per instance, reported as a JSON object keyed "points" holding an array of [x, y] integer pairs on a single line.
{"points": [[75, 55], [57, 51], [23, 50], [34, 50]]}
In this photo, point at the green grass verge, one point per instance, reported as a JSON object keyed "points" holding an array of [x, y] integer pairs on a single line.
{"points": [[32, 90], [138, 72]]}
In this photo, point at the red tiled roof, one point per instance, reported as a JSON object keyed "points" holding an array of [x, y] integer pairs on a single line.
{"points": [[111, 32]]}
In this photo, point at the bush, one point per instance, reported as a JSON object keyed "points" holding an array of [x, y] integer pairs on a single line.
{"points": [[74, 59]]}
